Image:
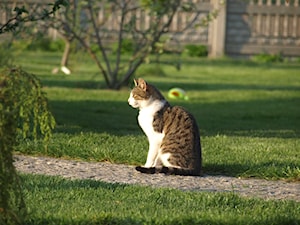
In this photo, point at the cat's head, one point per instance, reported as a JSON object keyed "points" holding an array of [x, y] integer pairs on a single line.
{"points": [[143, 94]]}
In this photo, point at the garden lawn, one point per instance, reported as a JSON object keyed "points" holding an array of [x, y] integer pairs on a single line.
{"points": [[248, 113], [249, 118], [53, 200]]}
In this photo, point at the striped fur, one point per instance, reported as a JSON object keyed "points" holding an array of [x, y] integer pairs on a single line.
{"points": [[173, 134]]}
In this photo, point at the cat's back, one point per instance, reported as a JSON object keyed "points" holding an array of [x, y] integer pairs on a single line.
{"points": [[178, 118], [182, 138], [180, 129]]}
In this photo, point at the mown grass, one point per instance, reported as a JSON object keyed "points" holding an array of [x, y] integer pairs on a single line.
{"points": [[53, 200], [248, 114]]}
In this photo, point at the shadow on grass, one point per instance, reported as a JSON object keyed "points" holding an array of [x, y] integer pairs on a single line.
{"points": [[108, 219], [72, 82], [235, 170], [223, 63], [266, 170], [59, 183], [259, 118], [103, 220], [112, 117], [221, 87], [165, 86]]}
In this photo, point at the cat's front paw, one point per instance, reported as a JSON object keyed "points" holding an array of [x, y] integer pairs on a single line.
{"points": [[147, 170]]}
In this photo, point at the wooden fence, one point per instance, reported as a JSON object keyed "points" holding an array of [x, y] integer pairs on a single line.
{"points": [[262, 26], [242, 27]]}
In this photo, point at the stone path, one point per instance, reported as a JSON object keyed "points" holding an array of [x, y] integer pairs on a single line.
{"points": [[124, 174]]}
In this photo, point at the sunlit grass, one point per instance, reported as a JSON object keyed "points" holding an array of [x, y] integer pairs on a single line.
{"points": [[52, 200], [248, 114]]}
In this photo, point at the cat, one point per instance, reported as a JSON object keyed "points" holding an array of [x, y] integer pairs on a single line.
{"points": [[173, 134]]}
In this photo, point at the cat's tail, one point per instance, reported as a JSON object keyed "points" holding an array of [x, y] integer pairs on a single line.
{"points": [[169, 171]]}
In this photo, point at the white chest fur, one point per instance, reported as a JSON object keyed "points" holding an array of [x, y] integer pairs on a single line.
{"points": [[145, 119], [146, 115]]}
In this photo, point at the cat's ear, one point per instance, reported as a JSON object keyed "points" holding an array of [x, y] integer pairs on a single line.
{"points": [[135, 82], [142, 84]]}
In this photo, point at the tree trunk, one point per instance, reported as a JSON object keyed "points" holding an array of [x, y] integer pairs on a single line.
{"points": [[66, 54]]}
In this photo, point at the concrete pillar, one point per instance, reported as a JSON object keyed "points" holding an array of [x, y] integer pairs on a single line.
{"points": [[217, 31]]}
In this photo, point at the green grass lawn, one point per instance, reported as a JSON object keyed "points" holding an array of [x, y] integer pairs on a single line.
{"points": [[248, 114], [52, 200], [249, 118]]}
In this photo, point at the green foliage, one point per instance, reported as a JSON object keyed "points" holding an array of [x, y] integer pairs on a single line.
{"points": [[39, 43], [136, 40], [151, 70], [12, 207], [23, 113], [23, 98], [268, 58], [127, 46], [20, 45], [159, 7], [196, 50], [5, 54], [23, 15], [46, 44]]}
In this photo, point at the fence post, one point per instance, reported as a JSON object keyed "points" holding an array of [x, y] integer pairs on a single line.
{"points": [[217, 30]]}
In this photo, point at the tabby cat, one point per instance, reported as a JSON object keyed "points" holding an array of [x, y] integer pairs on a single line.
{"points": [[173, 134]]}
